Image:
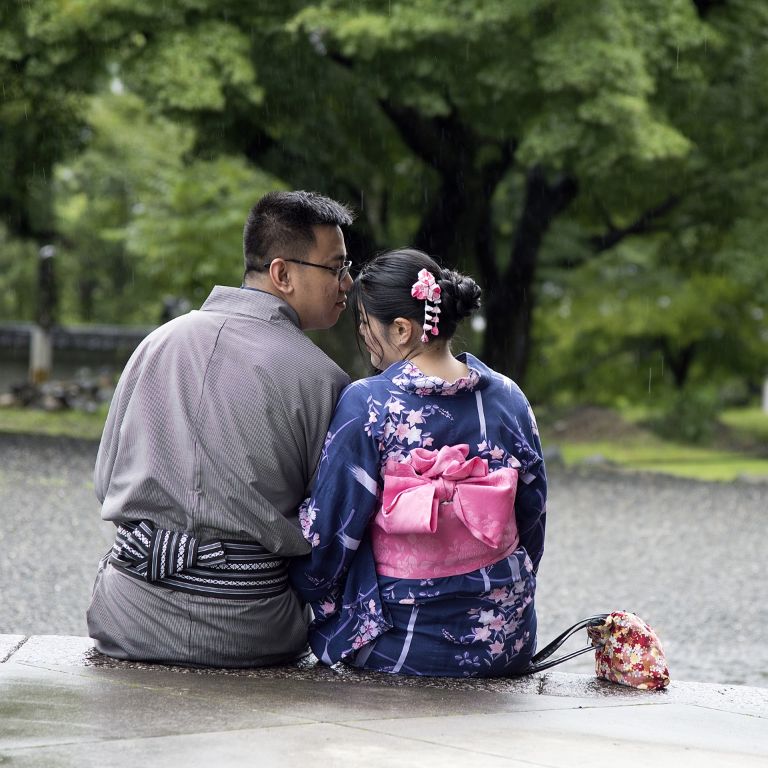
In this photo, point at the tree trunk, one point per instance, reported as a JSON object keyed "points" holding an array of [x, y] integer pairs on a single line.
{"points": [[457, 228], [703, 7], [765, 395], [457, 220], [679, 361], [510, 301], [86, 289]]}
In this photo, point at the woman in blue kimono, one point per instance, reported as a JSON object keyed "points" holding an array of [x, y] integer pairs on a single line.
{"points": [[427, 514]]}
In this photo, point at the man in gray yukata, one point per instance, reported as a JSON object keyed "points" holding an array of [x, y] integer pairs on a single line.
{"points": [[212, 438]]}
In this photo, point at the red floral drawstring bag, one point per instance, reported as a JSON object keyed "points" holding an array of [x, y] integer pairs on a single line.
{"points": [[627, 651]]}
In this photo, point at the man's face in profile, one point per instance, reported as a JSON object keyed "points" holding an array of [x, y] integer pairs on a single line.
{"points": [[320, 297]]}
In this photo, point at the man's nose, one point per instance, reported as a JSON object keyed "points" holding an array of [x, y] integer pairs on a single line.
{"points": [[346, 283]]}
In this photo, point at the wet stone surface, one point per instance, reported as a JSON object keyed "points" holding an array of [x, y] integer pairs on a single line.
{"points": [[61, 652]]}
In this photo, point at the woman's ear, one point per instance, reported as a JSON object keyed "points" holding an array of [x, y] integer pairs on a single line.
{"points": [[403, 331]]}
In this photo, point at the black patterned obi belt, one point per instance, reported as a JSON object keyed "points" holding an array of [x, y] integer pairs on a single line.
{"points": [[178, 560]]}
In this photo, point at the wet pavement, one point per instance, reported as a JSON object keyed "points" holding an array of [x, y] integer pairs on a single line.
{"points": [[62, 704], [686, 556]]}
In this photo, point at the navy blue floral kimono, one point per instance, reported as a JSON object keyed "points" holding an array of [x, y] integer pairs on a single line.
{"points": [[481, 623]]}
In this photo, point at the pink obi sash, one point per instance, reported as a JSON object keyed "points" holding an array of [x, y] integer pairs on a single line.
{"points": [[442, 515]]}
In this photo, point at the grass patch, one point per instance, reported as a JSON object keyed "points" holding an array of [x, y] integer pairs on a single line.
{"points": [[30, 421], [738, 448], [747, 423], [669, 459]]}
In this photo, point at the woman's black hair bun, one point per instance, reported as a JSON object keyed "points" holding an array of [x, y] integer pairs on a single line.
{"points": [[460, 294]]}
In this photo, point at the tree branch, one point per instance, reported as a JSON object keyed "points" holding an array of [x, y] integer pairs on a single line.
{"points": [[641, 225], [543, 202], [703, 7], [433, 139], [442, 142]]}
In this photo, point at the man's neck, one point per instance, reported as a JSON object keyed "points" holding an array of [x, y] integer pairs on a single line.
{"points": [[259, 284]]}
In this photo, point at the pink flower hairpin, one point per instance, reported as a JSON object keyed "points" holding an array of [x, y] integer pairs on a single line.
{"points": [[427, 290]]}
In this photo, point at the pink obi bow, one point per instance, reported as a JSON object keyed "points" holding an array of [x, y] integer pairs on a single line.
{"points": [[413, 492]]}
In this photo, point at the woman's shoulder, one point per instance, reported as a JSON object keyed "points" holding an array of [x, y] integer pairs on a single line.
{"points": [[497, 381], [361, 390]]}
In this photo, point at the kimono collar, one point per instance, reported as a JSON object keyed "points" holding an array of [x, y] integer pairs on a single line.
{"points": [[410, 378], [250, 302]]}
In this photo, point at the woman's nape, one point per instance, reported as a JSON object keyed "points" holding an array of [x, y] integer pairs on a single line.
{"points": [[400, 340]]}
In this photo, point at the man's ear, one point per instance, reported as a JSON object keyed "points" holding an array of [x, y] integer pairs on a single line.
{"points": [[403, 331], [280, 276]]}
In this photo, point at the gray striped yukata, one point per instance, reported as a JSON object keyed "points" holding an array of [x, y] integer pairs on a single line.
{"points": [[215, 429]]}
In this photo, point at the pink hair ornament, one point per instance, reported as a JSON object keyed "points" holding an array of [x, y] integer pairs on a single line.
{"points": [[427, 290]]}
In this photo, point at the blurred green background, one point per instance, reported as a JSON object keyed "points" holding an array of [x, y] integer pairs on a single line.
{"points": [[598, 165]]}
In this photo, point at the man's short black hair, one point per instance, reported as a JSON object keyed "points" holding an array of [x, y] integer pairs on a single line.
{"points": [[280, 226]]}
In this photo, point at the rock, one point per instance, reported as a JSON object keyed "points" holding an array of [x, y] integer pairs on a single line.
{"points": [[52, 403]]}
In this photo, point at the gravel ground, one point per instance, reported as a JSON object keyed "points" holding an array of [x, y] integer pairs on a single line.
{"points": [[688, 557]]}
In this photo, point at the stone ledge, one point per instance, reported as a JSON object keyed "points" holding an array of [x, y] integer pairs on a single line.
{"points": [[9, 644], [57, 651]]}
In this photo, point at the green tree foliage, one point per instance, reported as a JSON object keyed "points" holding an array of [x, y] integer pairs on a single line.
{"points": [[597, 163], [635, 326], [41, 87], [675, 299], [568, 97], [142, 220]]}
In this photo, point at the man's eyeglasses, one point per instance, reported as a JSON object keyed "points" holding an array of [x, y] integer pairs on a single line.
{"points": [[340, 272]]}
